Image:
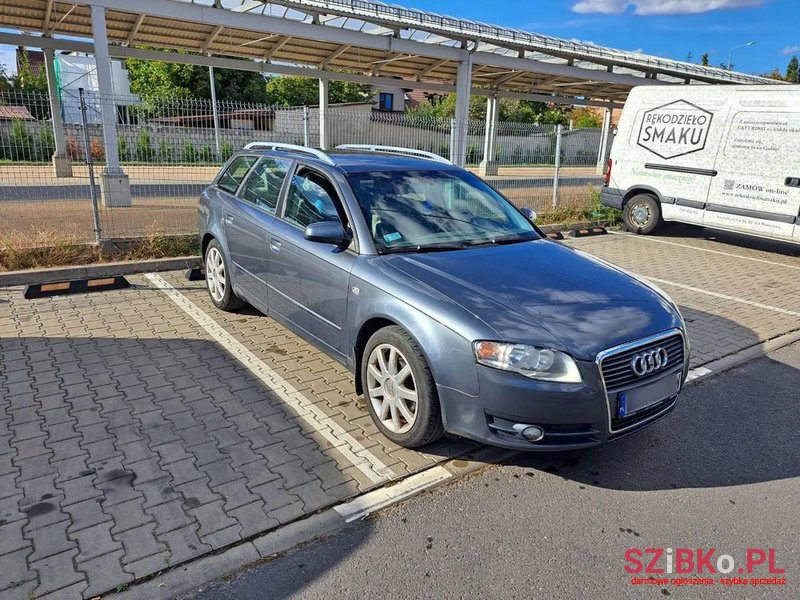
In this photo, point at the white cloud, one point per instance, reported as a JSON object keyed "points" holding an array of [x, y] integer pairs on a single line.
{"points": [[791, 50], [660, 7]]}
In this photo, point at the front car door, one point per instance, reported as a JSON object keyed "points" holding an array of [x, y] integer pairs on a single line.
{"points": [[308, 281]]}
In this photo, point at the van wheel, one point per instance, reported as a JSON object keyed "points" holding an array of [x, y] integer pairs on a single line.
{"points": [[642, 214]]}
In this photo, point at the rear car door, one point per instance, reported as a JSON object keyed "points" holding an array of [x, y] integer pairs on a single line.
{"points": [[228, 185], [308, 281], [248, 223]]}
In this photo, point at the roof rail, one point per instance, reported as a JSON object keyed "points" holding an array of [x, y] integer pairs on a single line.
{"points": [[394, 150], [292, 148]]}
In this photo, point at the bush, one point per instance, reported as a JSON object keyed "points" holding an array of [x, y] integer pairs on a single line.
{"points": [[96, 149], [188, 152], [206, 155], [226, 151], [74, 149], [122, 148], [47, 145], [473, 153], [164, 151], [144, 151], [20, 141]]}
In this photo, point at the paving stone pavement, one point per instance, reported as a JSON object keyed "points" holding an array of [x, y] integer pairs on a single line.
{"points": [[130, 441]]}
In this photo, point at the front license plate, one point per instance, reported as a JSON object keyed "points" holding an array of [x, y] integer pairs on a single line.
{"points": [[640, 398]]}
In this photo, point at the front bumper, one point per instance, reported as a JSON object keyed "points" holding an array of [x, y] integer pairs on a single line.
{"points": [[573, 416]]}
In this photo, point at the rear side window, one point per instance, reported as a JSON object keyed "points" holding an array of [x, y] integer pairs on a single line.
{"points": [[263, 185], [235, 173]]}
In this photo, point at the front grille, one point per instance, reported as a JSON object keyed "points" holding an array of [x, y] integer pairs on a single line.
{"points": [[617, 371]]}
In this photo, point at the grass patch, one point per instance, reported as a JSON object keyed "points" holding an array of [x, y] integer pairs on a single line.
{"points": [[592, 211], [41, 249]]}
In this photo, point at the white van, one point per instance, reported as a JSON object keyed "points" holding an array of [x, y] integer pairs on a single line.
{"points": [[719, 156]]}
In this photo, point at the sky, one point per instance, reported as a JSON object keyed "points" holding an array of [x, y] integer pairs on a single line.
{"points": [[667, 28]]}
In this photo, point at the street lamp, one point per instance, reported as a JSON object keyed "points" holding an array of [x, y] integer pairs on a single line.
{"points": [[730, 53]]}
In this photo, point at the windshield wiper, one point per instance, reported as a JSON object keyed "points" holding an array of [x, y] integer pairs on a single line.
{"points": [[444, 247], [502, 241]]}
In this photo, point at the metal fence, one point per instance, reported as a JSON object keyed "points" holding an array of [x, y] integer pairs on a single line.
{"points": [[171, 149]]}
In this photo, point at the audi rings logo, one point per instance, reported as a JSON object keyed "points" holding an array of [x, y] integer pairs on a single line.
{"points": [[649, 362]]}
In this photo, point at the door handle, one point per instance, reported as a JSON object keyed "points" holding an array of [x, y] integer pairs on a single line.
{"points": [[228, 220], [793, 182], [275, 245]]}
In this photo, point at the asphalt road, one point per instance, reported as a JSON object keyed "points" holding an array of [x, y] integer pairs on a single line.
{"points": [[723, 472]]}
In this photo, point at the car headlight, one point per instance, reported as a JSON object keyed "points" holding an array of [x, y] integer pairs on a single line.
{"points": [[536, 363]]}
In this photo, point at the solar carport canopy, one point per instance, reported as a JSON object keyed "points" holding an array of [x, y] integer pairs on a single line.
{"points": [[364, 39]]}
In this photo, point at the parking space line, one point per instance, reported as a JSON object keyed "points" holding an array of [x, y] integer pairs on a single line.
{"points": [[354, 452], [710, 251], [723, 296]]}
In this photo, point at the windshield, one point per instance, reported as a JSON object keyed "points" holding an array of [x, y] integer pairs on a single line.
{"points": [[412, 211]]}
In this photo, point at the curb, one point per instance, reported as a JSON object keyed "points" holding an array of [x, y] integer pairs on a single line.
{"points": [[737, 359], [188, 578], [96, 271]]}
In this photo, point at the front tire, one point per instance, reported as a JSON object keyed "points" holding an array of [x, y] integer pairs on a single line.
{"points": [[400, 390], [642, 214], [218, 279]]}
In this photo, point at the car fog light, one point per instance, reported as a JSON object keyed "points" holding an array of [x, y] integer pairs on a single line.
{"points": [[530, 433]]}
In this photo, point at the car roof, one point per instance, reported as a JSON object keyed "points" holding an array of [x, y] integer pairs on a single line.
{"points": [[350, 161]]}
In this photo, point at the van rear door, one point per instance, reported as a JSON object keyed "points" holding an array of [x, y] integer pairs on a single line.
{"points": [[755, 190]]}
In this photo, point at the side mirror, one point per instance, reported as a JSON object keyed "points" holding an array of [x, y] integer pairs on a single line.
{"points": [[530, 214], [327, 232]]}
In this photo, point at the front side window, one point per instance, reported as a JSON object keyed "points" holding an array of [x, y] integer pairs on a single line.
{"points": [[311, 199], [409, 211], [263, 185], [235, 173]]}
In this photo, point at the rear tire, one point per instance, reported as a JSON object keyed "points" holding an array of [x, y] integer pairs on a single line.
{"points": [[218, 279], [400, 390], [642, 214]]}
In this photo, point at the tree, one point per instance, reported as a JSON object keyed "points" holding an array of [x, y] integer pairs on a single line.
{"points": [[152, 79], [293, 90], [793, 71], [513, 111], [584, 118], [25, 79], [774, 74], [704, 59]]}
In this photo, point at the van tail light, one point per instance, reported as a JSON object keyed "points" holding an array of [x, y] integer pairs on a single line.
{"points": [[607, 179]]}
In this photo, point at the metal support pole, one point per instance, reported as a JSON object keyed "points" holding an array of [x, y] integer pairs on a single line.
{"points": [[306, 127], [488, 165], [323, 114], [90, 164], [115, 183], [604, 137], [557, 165], [62, 166], [458, 151], [214, 110]]}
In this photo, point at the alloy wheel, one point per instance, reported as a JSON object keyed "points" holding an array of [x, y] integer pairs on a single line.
{"points": [[215, 274], [391, 388]]}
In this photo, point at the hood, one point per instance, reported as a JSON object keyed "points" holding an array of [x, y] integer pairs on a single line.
{"points": [[543, 293]]}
